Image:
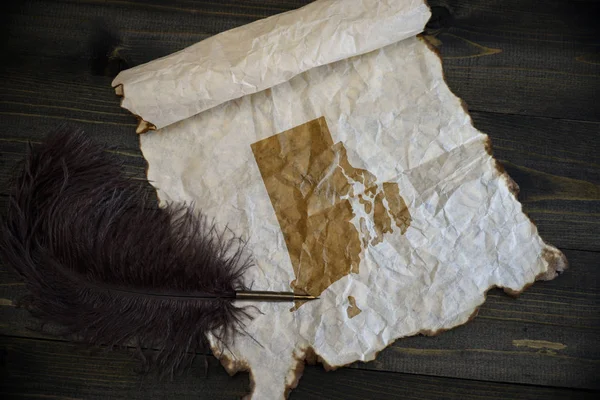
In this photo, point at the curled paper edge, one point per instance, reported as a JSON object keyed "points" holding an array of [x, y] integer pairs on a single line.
{"points": [[143, 126], [200, 81]]}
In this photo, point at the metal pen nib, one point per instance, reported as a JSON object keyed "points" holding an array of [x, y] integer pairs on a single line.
{"points": [[273, 296]]}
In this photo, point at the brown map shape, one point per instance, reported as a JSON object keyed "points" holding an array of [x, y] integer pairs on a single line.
{"points": [[310, 182]]}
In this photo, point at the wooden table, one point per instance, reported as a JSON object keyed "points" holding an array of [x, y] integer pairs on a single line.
{"points": [[530, 74]]}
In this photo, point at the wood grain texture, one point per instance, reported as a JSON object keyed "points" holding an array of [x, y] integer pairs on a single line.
{"points": [[563, 312], [529, 72], [526, 57], [556, 163], [38, 368], [558, 170], [47, 369], [522, 57]]}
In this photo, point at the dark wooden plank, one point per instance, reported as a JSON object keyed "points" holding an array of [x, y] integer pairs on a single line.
{"points": [[13, 150], [547, 67], [518, 56], [39, 369], [345, 384], [34, 104], [547, 336], [557, 165], [46, 369], [558, 170], [522, 56]]}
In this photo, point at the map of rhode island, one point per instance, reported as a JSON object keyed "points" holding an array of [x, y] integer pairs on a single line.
{"points": [[328, 211]]}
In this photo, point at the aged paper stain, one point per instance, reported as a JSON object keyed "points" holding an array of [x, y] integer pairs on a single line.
{"points": [[352, 309], [311, 184]]}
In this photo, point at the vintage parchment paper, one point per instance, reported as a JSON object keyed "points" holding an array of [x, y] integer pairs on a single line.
{"points": [[328, 139]]}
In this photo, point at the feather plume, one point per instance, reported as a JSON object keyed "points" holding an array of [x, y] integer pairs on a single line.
{"points": [[100, 260]]}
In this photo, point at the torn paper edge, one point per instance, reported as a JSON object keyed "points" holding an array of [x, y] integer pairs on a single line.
{"points": [[554, 258]]}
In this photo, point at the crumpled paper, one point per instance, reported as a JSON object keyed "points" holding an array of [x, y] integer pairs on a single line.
{"points": [[328, 139]]}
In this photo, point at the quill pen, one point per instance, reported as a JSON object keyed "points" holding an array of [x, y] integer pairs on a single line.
{"points": [[109, 267]]}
